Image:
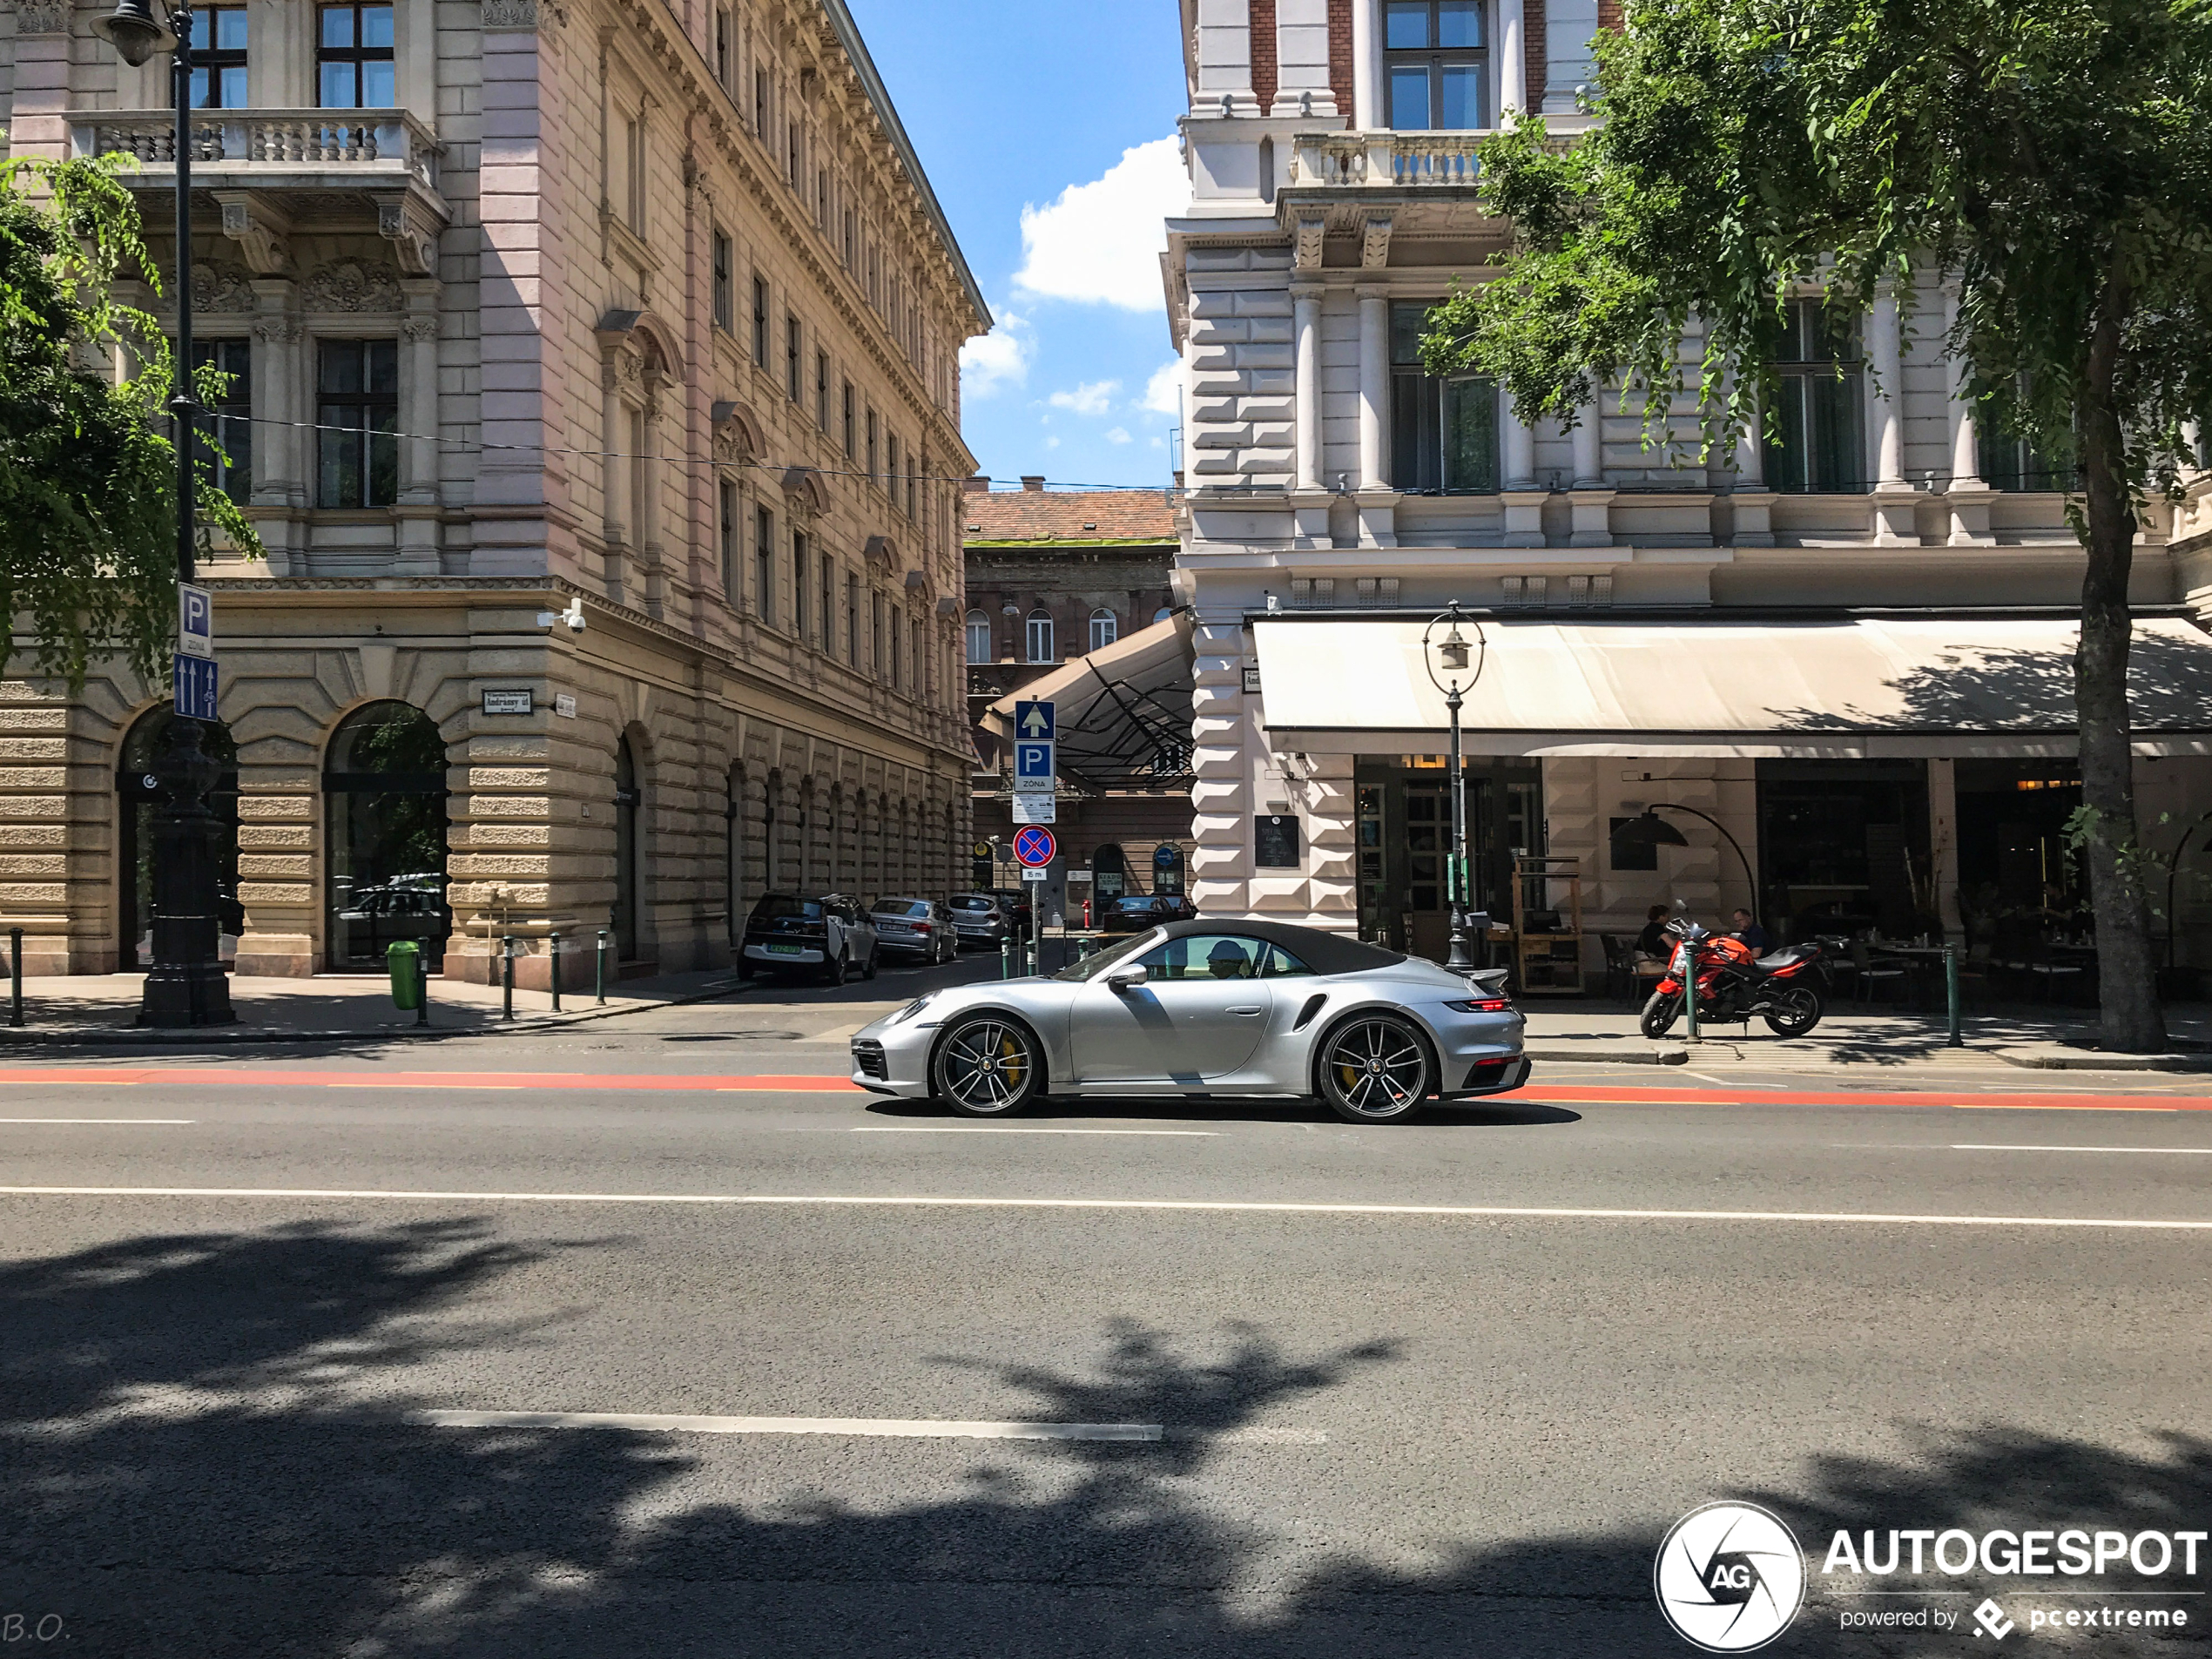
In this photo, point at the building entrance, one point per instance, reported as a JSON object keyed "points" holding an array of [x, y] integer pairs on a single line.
{"points": [[1404, 837]]}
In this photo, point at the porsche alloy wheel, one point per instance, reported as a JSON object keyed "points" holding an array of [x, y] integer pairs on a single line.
{"points": [[988, 1067], [1375, 1069]]}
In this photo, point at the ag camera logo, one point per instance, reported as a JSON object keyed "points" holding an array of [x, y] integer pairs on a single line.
{"points": [[1730, 1577]]}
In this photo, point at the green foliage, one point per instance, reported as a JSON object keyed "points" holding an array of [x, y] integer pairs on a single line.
{"points": [[2053, 157], [88, 501]]}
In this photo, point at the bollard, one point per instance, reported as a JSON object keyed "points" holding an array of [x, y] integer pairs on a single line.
{"points": [[1689, 992], [553, 956], [1006, 955], [1951, 995], [422, 988], [14, 977], [507, 977], [599, 966]]}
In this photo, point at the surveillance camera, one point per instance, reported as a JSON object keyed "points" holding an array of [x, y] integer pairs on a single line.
{"points": [[573, 616]]}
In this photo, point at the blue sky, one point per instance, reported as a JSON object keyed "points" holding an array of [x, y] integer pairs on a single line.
{"points": [[1046, 128]]}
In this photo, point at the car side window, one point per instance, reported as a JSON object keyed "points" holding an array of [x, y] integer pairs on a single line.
{"points": [[1280, 964], [1203, 956]]}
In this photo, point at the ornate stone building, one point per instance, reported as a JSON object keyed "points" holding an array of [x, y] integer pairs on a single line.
{"points": [[597, 400]]}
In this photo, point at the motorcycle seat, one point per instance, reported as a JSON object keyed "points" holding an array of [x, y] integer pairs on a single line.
{"points": [[1785, 957]]}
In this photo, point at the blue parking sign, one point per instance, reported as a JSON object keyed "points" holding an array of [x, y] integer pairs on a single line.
{"points": [[1032, 760], [1034, 721], [196, 687]]}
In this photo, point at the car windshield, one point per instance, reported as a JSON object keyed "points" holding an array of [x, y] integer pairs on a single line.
{"points": [[1091, 967], [772, 905], [902, 907], [1140, 903]]}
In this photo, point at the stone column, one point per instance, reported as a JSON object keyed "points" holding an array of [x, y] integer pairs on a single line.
{"points": [[1377, 516], [1969, 493], [1893, 496], [1592, 503], [1522, 500], [1513, 63], [1306, 299], [283, 453], [417, 510], [1751, 503]]}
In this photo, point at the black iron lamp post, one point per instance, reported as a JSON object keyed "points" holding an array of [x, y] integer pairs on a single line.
{"points": [[1649, 829], [185, 986], [1450, 655]]}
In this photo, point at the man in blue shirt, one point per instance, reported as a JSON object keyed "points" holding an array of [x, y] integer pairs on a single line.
{"points": [[1748, 929]]}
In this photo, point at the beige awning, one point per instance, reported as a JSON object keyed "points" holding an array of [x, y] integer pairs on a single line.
{"points": [[1845, 687]]}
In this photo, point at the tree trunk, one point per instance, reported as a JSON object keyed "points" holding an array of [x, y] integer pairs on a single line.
{"points": [[2127, 963]]}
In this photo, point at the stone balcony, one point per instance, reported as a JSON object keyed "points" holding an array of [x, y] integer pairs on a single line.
{"points": [[269, 170], [1386, 161]]}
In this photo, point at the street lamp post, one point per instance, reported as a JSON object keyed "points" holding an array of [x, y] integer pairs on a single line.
{"points": [[185, 986], [1451, 654]]}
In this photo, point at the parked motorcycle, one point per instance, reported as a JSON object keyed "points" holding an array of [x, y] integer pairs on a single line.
{"points": [[1785, 987]]}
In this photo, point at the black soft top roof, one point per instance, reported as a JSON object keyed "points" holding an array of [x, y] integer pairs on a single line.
{"points": [[1323, 952]]}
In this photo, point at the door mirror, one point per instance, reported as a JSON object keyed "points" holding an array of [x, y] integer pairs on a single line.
{"points": [[1126, 979]]}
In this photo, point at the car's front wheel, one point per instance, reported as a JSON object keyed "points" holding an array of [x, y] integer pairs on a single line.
{"points": [[987, 1066], [867, 968], [833, 970], [1376, 1070]]}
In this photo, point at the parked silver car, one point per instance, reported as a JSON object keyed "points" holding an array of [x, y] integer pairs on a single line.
{"points": [[829, 934], [919, 928], [1208, 1007]]}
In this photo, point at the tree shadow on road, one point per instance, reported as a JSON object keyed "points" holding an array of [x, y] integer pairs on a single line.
{"points": [[207, 1455]]}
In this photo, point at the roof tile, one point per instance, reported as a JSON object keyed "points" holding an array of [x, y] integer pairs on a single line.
{"points": [[1067, 515]]}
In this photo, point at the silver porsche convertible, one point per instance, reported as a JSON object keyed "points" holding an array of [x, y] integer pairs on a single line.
{"points": [[1208, 1007]]}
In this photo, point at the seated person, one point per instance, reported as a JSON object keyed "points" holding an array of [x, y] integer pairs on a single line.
{"points": [[1746, 927], [1228, 960], [1652, 941]]}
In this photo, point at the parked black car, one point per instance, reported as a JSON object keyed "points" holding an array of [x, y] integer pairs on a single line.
{"points": [[978, 919], [1013, 904], [920, 928], [1134, 912], [828, 934]]}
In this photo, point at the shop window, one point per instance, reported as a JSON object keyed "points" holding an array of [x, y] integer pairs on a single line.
{"points": [[1104, 629], [1435, 64], [358, 407], [229, 418], [1040, 635], [354, 66], [384, 793], [137, 798], [1443, 432], [1816, 442], [219, 58]]}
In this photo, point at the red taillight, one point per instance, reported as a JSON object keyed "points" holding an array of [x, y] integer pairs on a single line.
{"points": [[922, 927], [1482, 1005]]}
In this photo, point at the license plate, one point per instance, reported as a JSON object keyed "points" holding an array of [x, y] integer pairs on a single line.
{"points": [[786, 950]]}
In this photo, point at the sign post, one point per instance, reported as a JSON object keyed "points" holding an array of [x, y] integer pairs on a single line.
{"points": [[1034, 848]]}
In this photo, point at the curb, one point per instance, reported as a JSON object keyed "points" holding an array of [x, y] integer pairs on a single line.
{"points": [[131, 1036], [2034, 1061], [1575, 1056]]}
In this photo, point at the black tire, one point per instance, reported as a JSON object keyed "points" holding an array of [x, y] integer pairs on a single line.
{"points": [[834, 970], [1660, 1014], [987, 1066], [1375, 1068], [1797, 1009], [868, 968], [745, 969]]}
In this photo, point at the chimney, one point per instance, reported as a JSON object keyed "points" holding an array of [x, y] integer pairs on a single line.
{"points": [[975, 483], [1033, 480]]}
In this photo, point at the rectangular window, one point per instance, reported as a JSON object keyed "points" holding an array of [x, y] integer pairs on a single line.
{"points": [[792, 357], [849, 223], [912, 487], [821, 197], [1039, 639], [898, 628], [1814, 443], [849, 419], [727, 499], [760, 321], [914, 657], [2009, 462], [354, 67], [358, 404], [641, 532], [798, 584], [1443, 432], [633, 209], [722, 47], [891, 473], [219, 58], [1435, 63], [873, 478], [821, 390], [875, 632], [829, 606], [852, 620], [229, 422], [726, 299], [764, 575], [761, 104], [791, 154]]}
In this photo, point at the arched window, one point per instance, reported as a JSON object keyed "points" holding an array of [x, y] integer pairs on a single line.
{"points": [[137, 796], [979, 638], [1040, 632], [384, 793], [1104, 629]]}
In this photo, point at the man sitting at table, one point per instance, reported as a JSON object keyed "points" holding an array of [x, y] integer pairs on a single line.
{"points": [[1652, 941], [1747, 928]]}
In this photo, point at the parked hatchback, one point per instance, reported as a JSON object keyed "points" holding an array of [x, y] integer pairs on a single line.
{"points": [[977, 918], [829, 934], [919, 928]]}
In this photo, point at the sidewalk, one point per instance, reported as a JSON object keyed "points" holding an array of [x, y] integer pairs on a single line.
{"points": [[2053, 1039], [100, 1009]]}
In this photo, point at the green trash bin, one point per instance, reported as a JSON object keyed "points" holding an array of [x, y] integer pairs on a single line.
{"points": [[406, 989]]}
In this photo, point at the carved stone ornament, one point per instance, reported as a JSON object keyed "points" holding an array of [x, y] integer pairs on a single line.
{"points": [[420, 327], [348, 285], [523, 14], [1312, 234], [279, 331], [42, 17], [1374, 247], [413, 238], [218, 284]]}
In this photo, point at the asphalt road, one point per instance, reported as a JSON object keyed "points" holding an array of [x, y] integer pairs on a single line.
{"points": [[1434, 1389]]}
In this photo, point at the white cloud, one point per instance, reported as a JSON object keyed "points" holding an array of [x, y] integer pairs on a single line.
{"points": [[1159, 444], [1118, 434], [1163, 392], [1000, 358], [1092, 397], [1052, 443], [1099, 243]]}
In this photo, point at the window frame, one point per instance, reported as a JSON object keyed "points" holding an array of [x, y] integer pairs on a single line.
{"points": [[760, 322], [794, 358], [229, 422], [764, 569], [724, 268], [354, 53], [726, 515], [1104, 619], [1421, 413], [210, 63], [368, 463], [1038, 619], [1435, 60], [1813, 356]]}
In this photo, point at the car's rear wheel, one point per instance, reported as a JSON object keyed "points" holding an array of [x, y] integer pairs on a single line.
{"points": [[834, 969], [987, 1066], [1375, 1068], [867, 968]]}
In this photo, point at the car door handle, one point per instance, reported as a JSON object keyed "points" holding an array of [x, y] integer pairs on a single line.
{"points": [[1246, 1011]]}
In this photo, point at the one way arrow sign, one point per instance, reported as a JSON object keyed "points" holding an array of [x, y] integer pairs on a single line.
{"points": [[1034, 721]]}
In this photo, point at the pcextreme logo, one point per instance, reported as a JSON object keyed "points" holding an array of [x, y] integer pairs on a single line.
{"points": [[1730, 1577]]}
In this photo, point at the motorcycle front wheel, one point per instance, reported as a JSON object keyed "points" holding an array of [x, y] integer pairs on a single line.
{"points": [[1794, 1011], [1659, 1012]]}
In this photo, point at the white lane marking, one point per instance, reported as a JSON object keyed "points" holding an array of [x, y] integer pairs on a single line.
{"points": [[952, 1128], [99, 1120], [1195, 1205], [893, 1427], [2186, 1152]]}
